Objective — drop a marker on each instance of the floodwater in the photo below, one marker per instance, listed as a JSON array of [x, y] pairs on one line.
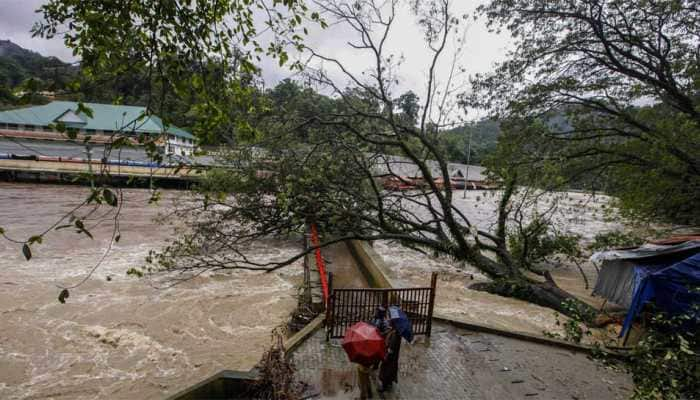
[[117, 336], [578, 213]]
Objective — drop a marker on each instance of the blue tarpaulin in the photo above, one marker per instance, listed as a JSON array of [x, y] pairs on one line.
[[673, 289]]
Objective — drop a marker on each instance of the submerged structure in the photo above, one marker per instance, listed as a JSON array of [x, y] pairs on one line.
[[105, 121]]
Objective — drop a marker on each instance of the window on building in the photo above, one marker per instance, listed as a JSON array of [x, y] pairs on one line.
[[12, 126], [29, 127]]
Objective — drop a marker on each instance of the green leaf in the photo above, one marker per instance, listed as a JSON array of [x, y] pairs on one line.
[[82, 108], [63, 296], [120, 142], [34, 239], [110, 197], [93, 196], [81, 228], [283, 58], [27, 252], [135, 272]]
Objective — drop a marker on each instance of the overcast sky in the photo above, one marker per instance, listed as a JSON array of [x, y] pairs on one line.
[[481, 48]]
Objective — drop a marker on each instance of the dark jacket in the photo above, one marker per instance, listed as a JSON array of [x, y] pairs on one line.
[[389, 369]]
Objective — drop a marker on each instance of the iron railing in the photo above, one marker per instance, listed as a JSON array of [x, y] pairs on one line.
[[349, 306]]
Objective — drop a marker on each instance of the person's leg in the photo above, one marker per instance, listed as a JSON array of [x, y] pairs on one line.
[[364, 383], [381, 381]]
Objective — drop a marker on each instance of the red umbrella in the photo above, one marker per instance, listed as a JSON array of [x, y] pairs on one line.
[[364, 344]]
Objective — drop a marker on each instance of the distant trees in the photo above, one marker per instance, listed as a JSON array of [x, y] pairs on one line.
[[18, 64], [24, 74], [626, 76], [484, 135]]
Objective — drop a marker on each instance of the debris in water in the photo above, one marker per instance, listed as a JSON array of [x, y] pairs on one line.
[[63, 296]]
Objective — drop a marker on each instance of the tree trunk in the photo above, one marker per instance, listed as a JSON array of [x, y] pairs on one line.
[[508, 279], [546, 294]]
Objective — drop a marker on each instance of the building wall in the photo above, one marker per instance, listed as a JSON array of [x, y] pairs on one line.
[[179, 146], [172, 145]]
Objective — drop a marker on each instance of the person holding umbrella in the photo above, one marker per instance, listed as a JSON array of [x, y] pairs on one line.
[[364, 346], [380, 321], [400, 326]]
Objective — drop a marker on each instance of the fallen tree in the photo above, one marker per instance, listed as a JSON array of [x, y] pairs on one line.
[[322, 159], [293, 155]]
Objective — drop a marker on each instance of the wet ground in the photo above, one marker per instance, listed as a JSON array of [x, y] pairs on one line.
[[118, 337], [458, 364]]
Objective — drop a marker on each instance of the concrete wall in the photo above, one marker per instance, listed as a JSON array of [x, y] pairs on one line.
[[371, 264]]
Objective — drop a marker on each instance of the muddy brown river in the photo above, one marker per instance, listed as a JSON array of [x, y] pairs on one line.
[[117, 336]]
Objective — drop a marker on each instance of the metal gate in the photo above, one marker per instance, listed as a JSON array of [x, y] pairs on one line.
[[348, 306]]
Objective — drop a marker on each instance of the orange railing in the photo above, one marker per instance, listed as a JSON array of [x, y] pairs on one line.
[[320, 263]]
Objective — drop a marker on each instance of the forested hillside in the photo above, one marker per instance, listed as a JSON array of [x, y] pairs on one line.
[[27, 77], [484, 135], [25, 73]]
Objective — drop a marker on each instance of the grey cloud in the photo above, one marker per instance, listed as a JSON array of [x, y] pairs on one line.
[[16, 20]]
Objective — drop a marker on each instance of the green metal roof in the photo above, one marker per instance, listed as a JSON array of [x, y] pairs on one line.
[[106, 117]]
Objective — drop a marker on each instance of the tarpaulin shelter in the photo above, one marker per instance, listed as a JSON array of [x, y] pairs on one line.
[[621, 269], [673, 289]]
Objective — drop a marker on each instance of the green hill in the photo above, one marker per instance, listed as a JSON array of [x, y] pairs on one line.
[[484, 135], [17, 65]]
